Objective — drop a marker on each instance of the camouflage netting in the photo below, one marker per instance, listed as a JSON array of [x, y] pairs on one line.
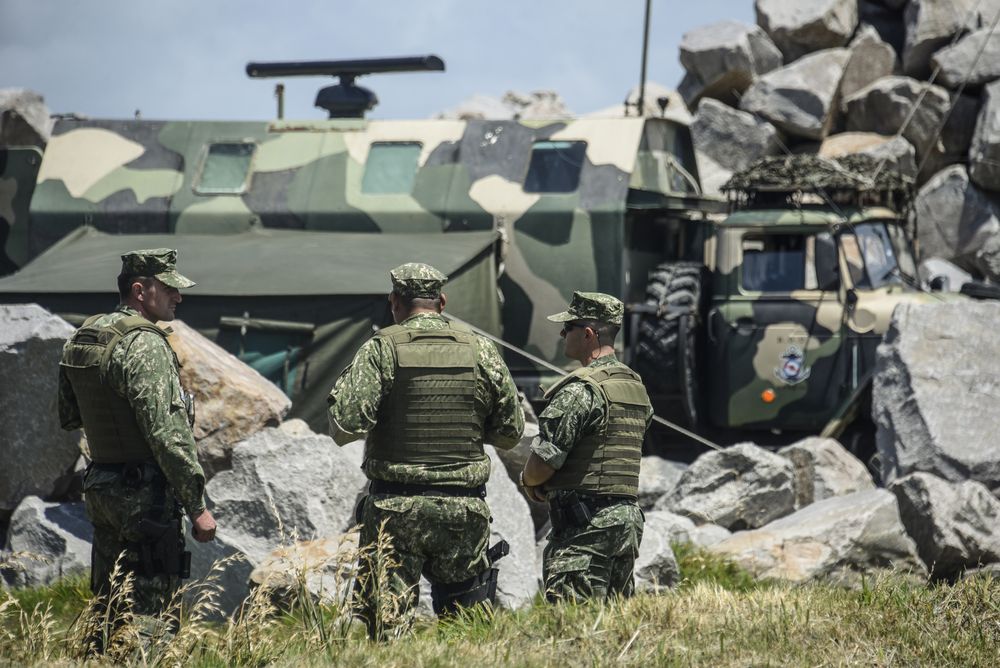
[[812, 173]]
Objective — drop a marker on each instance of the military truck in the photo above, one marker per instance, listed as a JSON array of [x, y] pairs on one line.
[[766, 321]]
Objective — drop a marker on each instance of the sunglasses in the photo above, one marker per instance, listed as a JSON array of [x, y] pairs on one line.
[[570, 326]]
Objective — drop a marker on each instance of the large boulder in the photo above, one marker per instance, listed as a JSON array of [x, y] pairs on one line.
[[37, 454], [723, 59], [835, 539], [730, 138], [283, 488], [952, 145], [936, 392], [897, 153], [871, 59], [949, 276], [885, 105], [740, 487], [518, 580], [800, 98], [956, 220], [224, 568], [324, 568], [930, 25], [54, 539], [961, 63], [984, 154], [953, 524], [513, 463], [24, 118], [656, 566], [512, 105], [804, 26], [657, 477], [232, 401], [677, 529], [824, 469]]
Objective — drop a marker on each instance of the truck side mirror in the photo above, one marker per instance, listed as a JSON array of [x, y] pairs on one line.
[[827, 266]]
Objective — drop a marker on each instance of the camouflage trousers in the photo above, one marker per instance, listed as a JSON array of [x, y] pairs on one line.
[[115, 509], [594, 561], [444, 538]]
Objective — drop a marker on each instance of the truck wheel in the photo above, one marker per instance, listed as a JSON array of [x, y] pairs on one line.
[[667, 350]]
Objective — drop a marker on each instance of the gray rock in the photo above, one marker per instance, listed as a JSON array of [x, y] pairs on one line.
[[984, 154], [955, 219], [833, 540], [325, 567], [953, 524], [897, 153], [679, 529], [55, 539], [657, 476], [800, 98], [989, 572], [740, 487], [513, 105], [936, 389], [712, 175], [871, 59], [36, 452], [733, 139], [886, 19], [310, 483], [804, 26], [518, 579], [724, 58], [987, 258], [222, 567], [952, 145], [24, 118], [513, 463], [930, 25], [824, 469], [885, 105], [934, 268], [656, 566], [961, 63]]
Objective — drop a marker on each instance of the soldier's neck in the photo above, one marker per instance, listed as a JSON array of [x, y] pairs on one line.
[[417, 311], [596, 354], [137, 306]]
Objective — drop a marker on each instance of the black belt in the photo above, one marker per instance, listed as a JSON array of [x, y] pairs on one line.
[[596, 502], [132, 473], [412, 489]]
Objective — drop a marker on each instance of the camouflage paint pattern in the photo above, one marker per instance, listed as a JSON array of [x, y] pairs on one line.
[[595, 561], [147, 177], [358, 393], [443, 538], [18, 171]]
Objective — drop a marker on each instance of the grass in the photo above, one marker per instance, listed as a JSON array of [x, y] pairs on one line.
[[718, 616]]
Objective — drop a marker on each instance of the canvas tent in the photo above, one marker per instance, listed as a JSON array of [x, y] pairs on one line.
[[295, 305]]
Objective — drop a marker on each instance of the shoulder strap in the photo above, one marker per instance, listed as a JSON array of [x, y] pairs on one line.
[[584, 374], [122, 328]]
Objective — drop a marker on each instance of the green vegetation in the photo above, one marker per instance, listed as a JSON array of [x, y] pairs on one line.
[[718, 616]]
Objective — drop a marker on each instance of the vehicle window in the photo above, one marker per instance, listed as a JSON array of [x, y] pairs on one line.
[[904, 253], [226, 168], [273, 348], [555, 166], [391, 168], [779, 263], [871, 255]]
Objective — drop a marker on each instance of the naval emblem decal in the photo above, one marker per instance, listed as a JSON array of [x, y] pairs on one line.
[[792, 369]]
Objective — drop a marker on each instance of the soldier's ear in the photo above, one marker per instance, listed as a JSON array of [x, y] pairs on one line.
[[442, 300]]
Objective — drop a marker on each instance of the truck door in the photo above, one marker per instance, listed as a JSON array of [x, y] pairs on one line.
[[775, 327]]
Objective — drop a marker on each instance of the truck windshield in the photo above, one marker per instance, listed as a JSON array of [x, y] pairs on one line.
[[877, 254]]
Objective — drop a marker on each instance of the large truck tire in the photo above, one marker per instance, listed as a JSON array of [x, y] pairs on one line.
[[667, 351]]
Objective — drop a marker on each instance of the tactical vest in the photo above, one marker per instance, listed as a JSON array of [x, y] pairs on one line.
[[429, 415], [108, 420], [606, 462]]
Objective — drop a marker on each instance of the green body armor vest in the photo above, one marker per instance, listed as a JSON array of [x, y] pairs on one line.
[[606, 462], [429, 415], [108, 420]]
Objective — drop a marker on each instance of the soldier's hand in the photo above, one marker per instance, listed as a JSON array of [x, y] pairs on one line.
[[203, 527]]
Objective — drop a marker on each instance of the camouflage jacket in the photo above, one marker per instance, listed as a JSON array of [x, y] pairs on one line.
[[574, 412], [142, 371], [355, 398]]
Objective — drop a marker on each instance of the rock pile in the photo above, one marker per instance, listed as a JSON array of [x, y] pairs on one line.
[[915, 83]]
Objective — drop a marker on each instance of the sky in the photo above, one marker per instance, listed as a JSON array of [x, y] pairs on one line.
[[186, 59]]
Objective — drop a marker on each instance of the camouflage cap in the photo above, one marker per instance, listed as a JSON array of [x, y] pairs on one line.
[[592, 306], [415, 279], [160, 263]]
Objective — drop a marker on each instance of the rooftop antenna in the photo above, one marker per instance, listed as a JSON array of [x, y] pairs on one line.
[[346, 99], [641, 103]]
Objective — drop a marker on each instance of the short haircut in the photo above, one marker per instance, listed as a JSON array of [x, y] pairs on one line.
[[605, 330], [125, 284], [410, 303]]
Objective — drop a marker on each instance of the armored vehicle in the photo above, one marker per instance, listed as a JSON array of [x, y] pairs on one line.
[[765, 321]]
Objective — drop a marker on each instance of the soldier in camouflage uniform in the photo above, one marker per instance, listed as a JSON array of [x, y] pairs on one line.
[[118, 379], [585, 460], [426, 394]]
